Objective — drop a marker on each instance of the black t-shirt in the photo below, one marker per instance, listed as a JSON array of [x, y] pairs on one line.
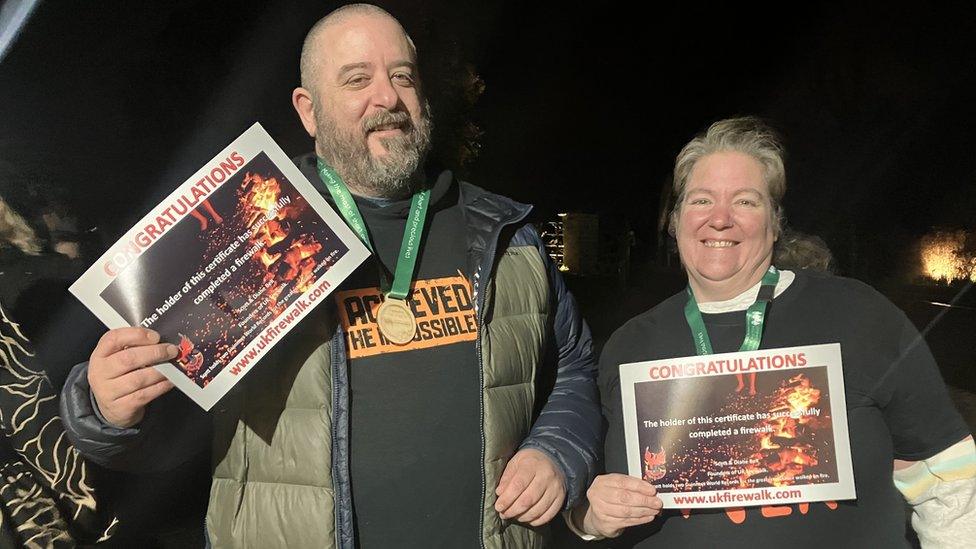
[[415, 428], [897, 408]]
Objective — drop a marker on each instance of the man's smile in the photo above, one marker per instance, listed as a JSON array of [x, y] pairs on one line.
[[386, 130]]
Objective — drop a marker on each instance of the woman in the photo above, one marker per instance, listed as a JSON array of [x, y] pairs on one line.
[[729, 183]]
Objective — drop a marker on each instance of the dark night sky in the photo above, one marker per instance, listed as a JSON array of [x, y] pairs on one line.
[[584, 109]]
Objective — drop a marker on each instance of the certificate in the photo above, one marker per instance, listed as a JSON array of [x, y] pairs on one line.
[[225, 266], [738, 429]]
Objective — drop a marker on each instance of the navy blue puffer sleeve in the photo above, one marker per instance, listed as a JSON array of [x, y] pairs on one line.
[[569, 428], [171, 433]]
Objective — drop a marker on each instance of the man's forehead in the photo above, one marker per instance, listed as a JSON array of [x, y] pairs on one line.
[[361, 37]]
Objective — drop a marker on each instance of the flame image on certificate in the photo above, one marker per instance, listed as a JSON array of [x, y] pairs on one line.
[[219, 276]]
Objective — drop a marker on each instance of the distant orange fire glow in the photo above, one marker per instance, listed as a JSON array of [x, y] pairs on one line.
[[945, 256]]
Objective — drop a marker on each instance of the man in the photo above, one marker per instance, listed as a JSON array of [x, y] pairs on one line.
[[472, 430]]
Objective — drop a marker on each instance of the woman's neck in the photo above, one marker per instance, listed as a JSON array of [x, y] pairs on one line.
[[710, 290]]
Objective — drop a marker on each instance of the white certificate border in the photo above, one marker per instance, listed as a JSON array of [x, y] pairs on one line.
[[828, 355]]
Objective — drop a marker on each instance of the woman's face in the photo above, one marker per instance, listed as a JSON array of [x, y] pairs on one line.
[[725, 228]]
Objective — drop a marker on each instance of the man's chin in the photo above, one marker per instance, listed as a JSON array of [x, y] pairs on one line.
[[379, 146], [379, 154]]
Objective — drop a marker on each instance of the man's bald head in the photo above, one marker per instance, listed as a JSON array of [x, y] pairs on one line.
[[361, 100], [311, 60]]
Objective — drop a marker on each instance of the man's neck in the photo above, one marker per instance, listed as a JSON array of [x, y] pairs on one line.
[[377, 195], [362, 192], [378, 202]]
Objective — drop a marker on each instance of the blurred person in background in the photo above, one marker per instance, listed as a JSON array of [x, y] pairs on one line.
[[796, 250], [45, 495]]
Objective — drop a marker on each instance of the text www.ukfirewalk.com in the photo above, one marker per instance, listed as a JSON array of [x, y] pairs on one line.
[[272, 332], [739, 497]]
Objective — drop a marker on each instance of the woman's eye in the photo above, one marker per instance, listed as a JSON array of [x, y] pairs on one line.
[[752, 201]]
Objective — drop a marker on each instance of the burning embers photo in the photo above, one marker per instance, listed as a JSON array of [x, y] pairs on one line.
[[710, 438], [263, 246], [286, 256], [788, 445]]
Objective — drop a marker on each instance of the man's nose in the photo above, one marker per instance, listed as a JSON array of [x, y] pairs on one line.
[[385, 94]]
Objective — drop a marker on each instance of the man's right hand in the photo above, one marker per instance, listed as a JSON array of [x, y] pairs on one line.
[[121, 375]]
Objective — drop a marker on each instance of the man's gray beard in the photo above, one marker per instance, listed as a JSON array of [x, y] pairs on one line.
[[393, 175]]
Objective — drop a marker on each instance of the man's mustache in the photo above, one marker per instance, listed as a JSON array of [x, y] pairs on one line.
[[399, 119]]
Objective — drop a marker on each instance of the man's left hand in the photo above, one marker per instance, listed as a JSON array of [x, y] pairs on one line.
[[531, 489]]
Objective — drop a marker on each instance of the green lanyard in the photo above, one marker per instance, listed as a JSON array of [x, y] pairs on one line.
[[407, 261], [755, 316]]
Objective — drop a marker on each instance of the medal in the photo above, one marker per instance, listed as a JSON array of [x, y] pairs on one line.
[[395, 321], [394, 318]]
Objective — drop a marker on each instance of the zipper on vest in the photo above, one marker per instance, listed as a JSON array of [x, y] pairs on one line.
[[481, 410], [488, 260], [335, 393]]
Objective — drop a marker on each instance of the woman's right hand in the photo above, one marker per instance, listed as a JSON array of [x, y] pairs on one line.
[[618, 501]]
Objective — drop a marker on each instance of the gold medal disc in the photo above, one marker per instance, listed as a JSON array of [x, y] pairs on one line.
[[395, 321]]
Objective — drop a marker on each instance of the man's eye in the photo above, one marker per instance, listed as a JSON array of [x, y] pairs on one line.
[[403, 78], [358, 81], [698, 201]]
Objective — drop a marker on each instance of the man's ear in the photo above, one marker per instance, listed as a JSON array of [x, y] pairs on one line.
[[301, 99]]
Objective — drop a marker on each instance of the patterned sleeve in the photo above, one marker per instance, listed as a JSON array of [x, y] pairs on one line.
[[46, 495]]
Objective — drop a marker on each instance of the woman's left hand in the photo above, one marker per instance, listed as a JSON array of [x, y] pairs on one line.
[[618, 501]]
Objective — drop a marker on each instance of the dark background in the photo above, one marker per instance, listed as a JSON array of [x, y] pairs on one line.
[[108, 105], [584, 108]]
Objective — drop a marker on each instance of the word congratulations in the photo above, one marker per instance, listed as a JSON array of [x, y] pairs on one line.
[[167, 217], [723, 366]]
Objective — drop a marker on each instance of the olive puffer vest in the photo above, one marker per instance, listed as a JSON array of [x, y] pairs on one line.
[[276, 438]]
